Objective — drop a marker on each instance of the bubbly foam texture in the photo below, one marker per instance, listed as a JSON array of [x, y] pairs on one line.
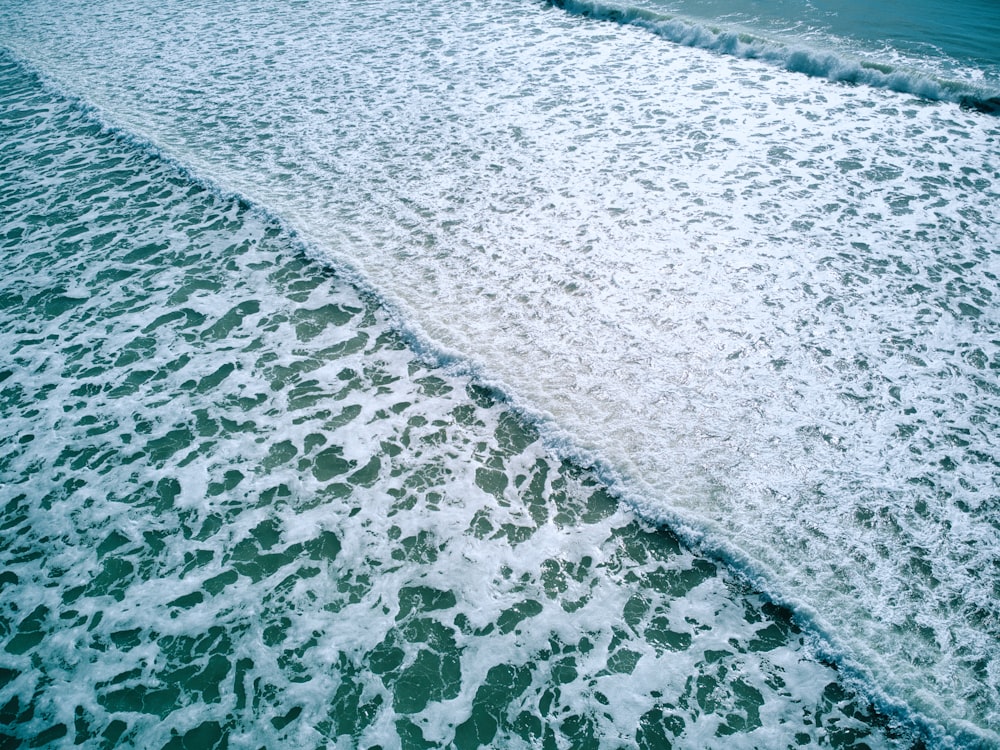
[[765, 304], [239, 512], [810, 51]]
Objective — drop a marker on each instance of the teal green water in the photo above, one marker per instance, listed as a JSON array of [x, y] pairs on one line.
[[238, 512], [759, 305], [964, 32], [934, 49]]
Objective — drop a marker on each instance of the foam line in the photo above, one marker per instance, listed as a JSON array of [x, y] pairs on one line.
[[689, 528], [797, 59]]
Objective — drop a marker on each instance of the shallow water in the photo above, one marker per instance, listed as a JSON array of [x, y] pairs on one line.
[[761, 304], [937, 50], [957, 36], [238, 511]]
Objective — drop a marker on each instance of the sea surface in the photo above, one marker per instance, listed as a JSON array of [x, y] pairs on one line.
[[510, 374]]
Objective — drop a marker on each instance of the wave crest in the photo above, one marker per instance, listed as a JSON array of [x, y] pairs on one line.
[[816, 63]]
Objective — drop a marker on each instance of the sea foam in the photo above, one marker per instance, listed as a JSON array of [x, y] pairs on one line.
[[747, 295]]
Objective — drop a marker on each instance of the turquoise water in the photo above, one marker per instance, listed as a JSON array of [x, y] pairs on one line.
[[966, 33], [477, 375], [239, 512], [935, 49]]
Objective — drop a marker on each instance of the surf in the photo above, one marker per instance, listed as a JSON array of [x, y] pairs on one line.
[[633, 245], [238, 510], [792, 57]]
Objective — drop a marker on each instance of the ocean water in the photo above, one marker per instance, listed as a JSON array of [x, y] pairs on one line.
[[519, 375], [933, 48], [240, 512], [960, 37]]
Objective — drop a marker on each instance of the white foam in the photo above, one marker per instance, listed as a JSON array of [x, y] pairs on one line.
[[742, 291], [814, 53]]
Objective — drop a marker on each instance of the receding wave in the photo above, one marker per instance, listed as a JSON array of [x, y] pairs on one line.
[[661, 298], [198, 207], [817, 63], [822, 644]]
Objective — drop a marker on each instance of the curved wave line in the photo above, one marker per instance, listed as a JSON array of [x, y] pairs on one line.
[[823, 645], [797, 59]]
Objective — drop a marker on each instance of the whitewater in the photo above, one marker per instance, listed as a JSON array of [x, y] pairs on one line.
[[526, 352]]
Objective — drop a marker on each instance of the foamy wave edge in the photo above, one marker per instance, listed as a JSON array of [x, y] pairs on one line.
[[815, 63], [696, 533]]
